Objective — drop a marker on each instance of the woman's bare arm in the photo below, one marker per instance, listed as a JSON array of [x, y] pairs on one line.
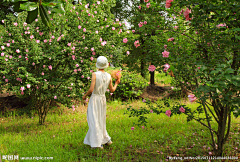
[[112, 89]]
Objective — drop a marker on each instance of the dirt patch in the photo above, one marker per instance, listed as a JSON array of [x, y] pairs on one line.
[[11, 102], [157, 91]]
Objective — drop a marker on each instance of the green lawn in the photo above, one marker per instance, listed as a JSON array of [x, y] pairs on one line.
[[63, 134]]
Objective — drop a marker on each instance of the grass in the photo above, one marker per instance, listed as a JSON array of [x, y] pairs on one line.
[[64, 131], [63, 134]]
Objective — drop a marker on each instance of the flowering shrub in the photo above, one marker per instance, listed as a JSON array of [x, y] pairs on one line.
[[131, 86], [54, 63], [202, 54]]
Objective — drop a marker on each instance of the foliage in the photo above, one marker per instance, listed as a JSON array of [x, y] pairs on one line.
[[5, 9], [41, 7], [131, 86], [55, 63], [204, 57]]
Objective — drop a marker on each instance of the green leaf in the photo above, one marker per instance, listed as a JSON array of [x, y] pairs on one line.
[[16, 7], [172, 68], [215, 85], [236, 78], [214, 72], [235, 83], [44, 16], [32, 15], [15, 1], [58, 9], [236, 29], [238, 37], [229, 70], [228, 77], [29, 6]]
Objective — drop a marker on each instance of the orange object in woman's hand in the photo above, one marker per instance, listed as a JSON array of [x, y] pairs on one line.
[[116, 74]]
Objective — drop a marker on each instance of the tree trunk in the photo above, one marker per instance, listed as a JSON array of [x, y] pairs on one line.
[[152, 78], [142, 69], [221, 136]]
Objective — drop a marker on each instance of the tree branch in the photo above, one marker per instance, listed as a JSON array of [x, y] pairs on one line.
[[212, 114], [214, 144]]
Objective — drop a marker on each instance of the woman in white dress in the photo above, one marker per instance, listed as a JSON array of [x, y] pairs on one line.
[[97, 134]]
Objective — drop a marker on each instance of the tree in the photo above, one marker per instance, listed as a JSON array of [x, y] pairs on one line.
[[35, 7]]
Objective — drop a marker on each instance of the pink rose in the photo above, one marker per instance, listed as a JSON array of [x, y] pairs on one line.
[[166, 66], [151, 68], [186, 14], [165, 54], [148, 5], [192, 98], [171, 39], [168, 3], [140, 24], [125, 40], [182, 109], [168, 113]]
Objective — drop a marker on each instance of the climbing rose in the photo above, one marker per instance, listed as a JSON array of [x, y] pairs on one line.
[[125, 40], [186, 14], [165, 54], [136, 43], [166, 66], [140, 24], [168, 3], [182, 109], [168, 113], [148, 5], [171, 39], [192, 98], [221, 25], [151, 68]]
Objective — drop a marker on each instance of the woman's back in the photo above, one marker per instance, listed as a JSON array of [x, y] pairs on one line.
[[102, 82]]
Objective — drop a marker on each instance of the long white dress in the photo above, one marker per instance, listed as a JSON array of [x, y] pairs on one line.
[[96, 112]]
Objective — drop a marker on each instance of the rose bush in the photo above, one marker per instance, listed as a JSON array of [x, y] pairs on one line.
[[56, 63], [148, 25], [204, 58]]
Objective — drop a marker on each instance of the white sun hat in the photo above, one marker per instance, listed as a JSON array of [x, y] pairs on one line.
[[102, 62]]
